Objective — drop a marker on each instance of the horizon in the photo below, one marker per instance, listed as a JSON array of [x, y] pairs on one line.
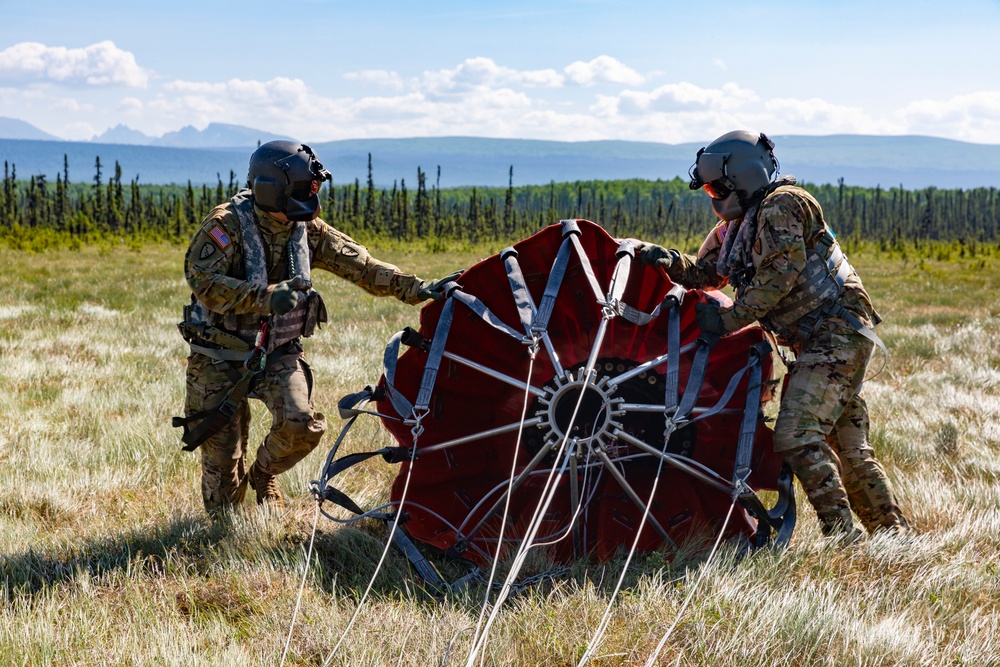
[[633, 70], [96, 140]]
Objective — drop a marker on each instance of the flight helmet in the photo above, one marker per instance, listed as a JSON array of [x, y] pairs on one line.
[[734, 170], [285, 177]]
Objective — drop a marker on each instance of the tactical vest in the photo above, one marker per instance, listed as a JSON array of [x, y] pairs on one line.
[[235, 334], [816, 291], [820, 283]]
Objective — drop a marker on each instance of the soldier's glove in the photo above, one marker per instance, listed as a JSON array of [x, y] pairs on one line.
[[708, 318], [432, 289], [286, 295], [651, 254]]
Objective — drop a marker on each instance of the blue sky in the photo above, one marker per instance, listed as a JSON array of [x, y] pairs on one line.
[[571, 70]]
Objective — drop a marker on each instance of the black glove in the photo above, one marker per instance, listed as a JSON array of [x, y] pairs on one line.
[[287, 294], [651, 254], [708, 318], [431, 289]]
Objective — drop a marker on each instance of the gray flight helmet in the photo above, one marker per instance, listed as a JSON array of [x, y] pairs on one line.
[[734, 170], [285, 177]]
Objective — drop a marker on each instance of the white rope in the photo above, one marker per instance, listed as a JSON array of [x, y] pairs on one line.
[[549, 490], [547, 494], [510, 491], [701, 576], [385, 551], [302, 586], [602, 626]]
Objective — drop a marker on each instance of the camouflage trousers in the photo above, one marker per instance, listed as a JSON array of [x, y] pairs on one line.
[[296, 429], [822, 432]]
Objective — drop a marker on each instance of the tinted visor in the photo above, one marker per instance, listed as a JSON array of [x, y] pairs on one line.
[[303, 190], [717, 189]]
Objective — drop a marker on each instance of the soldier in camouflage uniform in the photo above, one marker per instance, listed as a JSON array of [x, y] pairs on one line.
[[249, 264], [791, 276]]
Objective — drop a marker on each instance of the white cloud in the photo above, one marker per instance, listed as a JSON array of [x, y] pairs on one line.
[[971, 117], [476, 97], [475, 75], [379, 77], [817, 116], [602, 69], [683, 96], [132, 106], [70, 105], [98, 65]]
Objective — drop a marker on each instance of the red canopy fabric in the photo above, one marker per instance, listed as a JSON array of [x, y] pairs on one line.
[[455, 487]]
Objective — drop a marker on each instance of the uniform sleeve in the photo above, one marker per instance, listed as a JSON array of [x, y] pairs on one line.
[[209, 261], [699, 271], [780, 256], [338, 253]]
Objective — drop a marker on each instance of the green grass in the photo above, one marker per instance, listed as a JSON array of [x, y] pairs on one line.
[[106, 557]]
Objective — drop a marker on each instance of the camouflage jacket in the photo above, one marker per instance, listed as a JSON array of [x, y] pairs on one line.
[[789, 222], [215, 270]]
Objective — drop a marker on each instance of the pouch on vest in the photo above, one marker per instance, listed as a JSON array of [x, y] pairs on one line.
[[300, 322], [316, 315]]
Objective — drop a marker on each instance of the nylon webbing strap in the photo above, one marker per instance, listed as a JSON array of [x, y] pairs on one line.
[[727, 395], [625, 254], [839, 311], [588, 270], [417, 559], [748, 427], [696, 376], [334, 468], [485, 314], [673, 373], [221, 355], [436, 353], [399, 402], [219, 337], [673, 298], [213, 419], [347, 406], [545, 307], [522, 299], [390, 454]]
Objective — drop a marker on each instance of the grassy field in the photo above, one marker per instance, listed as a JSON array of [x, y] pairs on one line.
[[106, 557]]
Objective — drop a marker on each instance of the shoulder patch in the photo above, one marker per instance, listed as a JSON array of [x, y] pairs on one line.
[[720, 232], [757, 246], [206, 251], [349, 251], [220, 237]]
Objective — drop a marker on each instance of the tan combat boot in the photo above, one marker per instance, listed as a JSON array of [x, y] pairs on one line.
[[266, 487]]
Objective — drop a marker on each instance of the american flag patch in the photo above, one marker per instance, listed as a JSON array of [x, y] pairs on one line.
[[219, 236], [720, 232]]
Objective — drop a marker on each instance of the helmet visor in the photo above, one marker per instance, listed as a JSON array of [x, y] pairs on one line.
[[717, 189], [303, 190]]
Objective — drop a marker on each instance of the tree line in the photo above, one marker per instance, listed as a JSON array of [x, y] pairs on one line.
[[37, 213]]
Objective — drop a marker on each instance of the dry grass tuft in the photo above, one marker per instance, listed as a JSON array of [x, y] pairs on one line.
[[107, 559]]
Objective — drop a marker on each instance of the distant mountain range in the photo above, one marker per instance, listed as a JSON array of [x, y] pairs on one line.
[[204, 156], [216, 135]]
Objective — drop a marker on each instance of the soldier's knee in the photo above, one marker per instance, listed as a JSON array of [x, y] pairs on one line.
[[301, 425]]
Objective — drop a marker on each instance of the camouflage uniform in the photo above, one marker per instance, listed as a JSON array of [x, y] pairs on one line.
[[822, 422], [215, 270]]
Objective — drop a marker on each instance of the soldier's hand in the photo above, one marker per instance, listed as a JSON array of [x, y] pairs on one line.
[[286, 295], [708, 318], [432, 289], [651, 254]]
